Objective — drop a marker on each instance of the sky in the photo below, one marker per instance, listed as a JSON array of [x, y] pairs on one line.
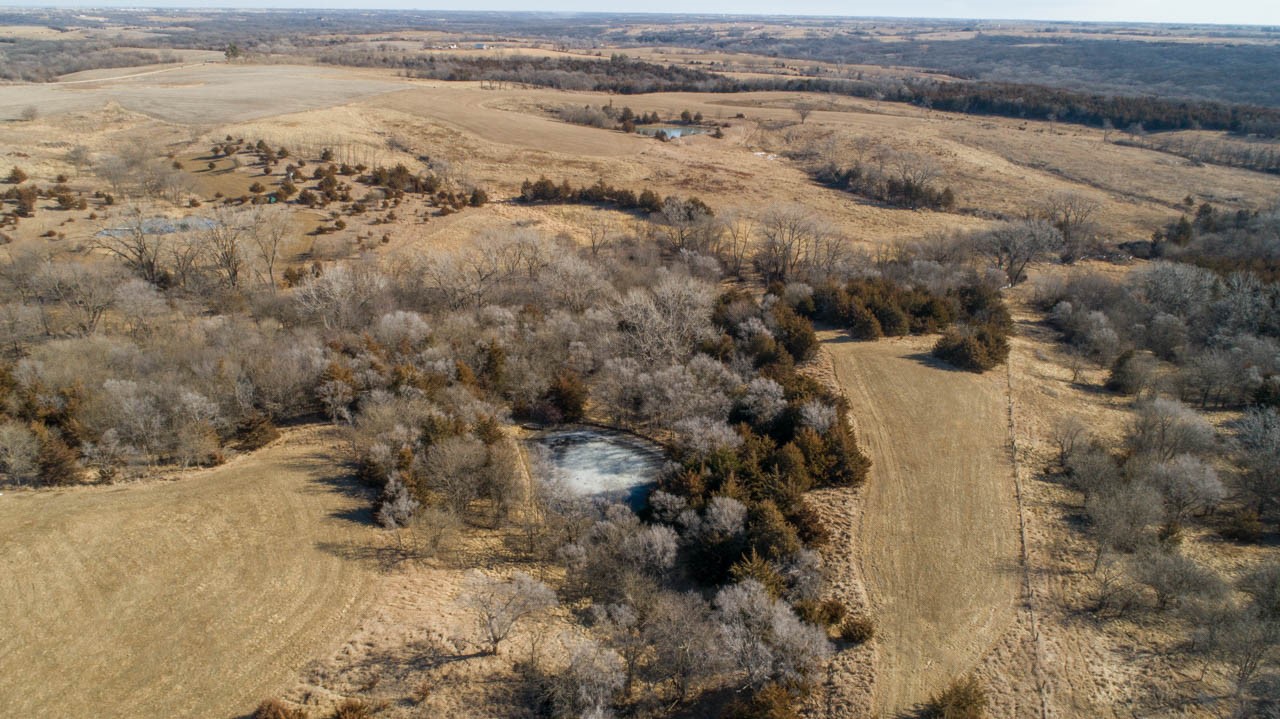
[[1248, 12]]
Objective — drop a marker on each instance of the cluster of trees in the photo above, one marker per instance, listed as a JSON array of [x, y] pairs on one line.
[[782, 242], [516, 324], [144, 170], [399, 180], [25, 198], [1071, 70], [1224, 242], [1175, 328], [32, 60], [1037, 102], [1020, 100], [623, 120], [894, 178], [1251, 155], [1140, 498], [618, 74], [973, 318], [547, 191]]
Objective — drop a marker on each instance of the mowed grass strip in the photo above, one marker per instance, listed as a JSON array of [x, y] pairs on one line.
[[189, 598]]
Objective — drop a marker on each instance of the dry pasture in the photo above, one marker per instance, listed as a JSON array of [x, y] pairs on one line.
[[938, 536], [190, 598]]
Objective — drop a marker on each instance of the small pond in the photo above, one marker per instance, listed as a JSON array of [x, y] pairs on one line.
[[596, 463], [161, 226], [672, 131]]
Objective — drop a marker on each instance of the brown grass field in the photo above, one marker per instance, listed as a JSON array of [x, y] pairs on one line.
[[190, 598], [939, 526]]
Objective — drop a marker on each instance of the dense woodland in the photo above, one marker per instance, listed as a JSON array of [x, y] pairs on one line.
[[45, 60], [1171, 70]]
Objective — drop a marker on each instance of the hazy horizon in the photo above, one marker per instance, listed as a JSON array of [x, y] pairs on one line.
[[1235, 12]]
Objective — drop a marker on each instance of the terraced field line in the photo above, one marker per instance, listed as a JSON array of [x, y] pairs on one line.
[[939, 535], [191, 598]]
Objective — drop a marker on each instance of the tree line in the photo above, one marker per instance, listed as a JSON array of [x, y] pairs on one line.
[[1017, 100]]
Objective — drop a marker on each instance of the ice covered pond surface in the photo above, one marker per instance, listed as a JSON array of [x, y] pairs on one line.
[[672, 131], [596, 463], [160, 226]]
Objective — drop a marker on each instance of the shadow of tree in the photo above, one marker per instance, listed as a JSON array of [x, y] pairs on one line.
[[930, 361]]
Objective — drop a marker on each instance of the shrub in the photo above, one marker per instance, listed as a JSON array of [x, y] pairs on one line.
[[827, 613], [771, 701], [963, 699], [57, 461], [568, 396], [808, 525], [753, 566], [863, 324], [973, 348], [256, 431], [794, 333], [276, 709], [1130, 373], [352, 709], [26, 197], [16, 176], [893, 321], [857, 630], [1243, 526]]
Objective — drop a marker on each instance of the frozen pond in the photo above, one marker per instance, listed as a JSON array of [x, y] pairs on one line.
[[161, 226], [593, 463], [672, 131]]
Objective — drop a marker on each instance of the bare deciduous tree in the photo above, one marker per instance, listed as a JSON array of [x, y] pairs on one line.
[[225, 242], [1258, 451], [601, 232], [684, 640], [764, 639], [19, 453], [501, 604], [1073, 214], [739, 227], [80, 157], [665, 322], [454, 467], [1014, 245], [1246, 642], [1188, 484], [87, 290], [1120, 515], [348, 295], [588, 686], [269, 229], [137, 245], [791, 237], [1163, 429], [1068, 434], [1176, 578]]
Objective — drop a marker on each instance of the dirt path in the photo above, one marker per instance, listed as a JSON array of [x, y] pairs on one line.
[[196, 597], [144, 73], [939, 530]]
